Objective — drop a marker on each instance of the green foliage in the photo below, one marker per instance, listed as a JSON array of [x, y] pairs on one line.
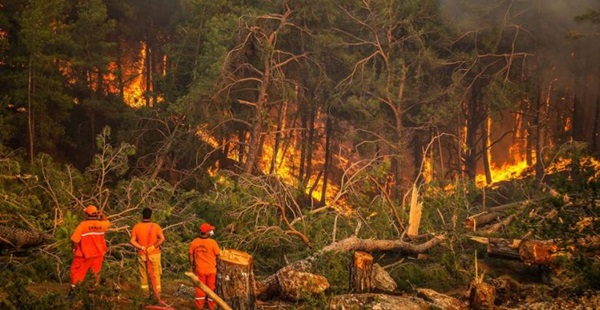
[[20, 297]]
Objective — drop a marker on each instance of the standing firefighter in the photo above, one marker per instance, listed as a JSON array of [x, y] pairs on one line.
[[203, 260], [89, 246], [147, 237]]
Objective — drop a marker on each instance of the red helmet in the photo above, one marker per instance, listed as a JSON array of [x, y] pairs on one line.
[[206, 227]]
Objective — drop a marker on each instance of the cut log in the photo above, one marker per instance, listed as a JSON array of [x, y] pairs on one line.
[[504, 248], [197, 283], [377, 301], [382, 279], [20, 238], [480, 220], [539, 252], [235, 283], [296, 285], [269, 287], [361, 273], [440, 301], [481, 295]]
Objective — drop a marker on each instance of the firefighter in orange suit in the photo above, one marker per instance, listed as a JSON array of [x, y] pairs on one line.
[[203, 260], [89, 246], [147, 237]]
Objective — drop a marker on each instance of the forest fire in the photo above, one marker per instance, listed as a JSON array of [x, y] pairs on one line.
[[505, 172], [134, 88]]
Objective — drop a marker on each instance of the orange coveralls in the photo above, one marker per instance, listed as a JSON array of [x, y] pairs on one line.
[[205, 252], [90, 249], [142, 234]]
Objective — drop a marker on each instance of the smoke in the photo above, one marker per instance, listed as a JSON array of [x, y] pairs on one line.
[[564, 62]]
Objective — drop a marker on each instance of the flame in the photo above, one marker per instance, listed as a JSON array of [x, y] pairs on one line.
[[134, 88], [427, 169], [505, 172]]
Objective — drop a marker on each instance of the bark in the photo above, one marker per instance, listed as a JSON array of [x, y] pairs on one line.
[[540, 252], [539, 168], [481, 295], [481, 219], [377, 301], [382, 279], [291, 284], [268, 287], [235, 283], [486, 150], [504, 248], [328, 134], [361, 273], [20, 238], [440, 301], [595, 133]]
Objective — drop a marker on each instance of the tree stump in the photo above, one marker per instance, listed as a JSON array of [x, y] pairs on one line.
[[235, 281], [361, 273], [481, 295]]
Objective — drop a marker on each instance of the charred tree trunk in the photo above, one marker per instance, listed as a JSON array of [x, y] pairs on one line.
[[539, 167], [486, 149], [471, 134], [328, 133], [309, 146], [235, 284], [361, 273], [595, 133], [278, 134]]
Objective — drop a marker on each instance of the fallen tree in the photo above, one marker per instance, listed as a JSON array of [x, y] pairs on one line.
[[20, 238], [271, 286]]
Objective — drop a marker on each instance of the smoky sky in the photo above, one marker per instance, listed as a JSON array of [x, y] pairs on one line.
[[565, 53]]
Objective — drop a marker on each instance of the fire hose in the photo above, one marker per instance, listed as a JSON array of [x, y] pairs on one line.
[[156, 292], [152, 281]]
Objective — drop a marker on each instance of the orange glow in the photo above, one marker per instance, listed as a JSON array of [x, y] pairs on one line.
[[427, 169], [133, 92], [567, 127], [505, 172]]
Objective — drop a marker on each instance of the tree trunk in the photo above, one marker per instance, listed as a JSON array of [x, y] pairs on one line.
[[361, 273], [504, 248], [539, 167], [328, 133], [471, 134], [30, 123], [481, 295], [415, 213], [197, 283], [478, 221], [595, 133], [19, 238], [278, 134], [235, 283], [486, 149]]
